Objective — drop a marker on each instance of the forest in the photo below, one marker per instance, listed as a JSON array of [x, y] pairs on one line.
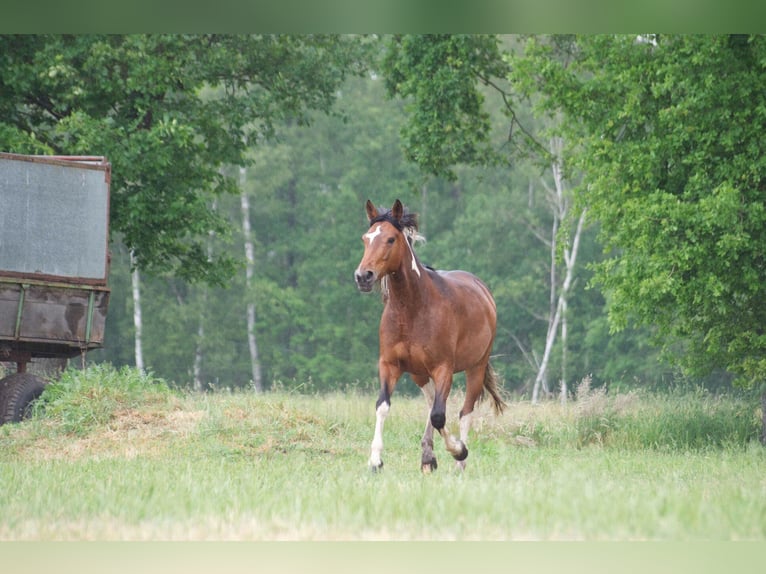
[[608, 189]]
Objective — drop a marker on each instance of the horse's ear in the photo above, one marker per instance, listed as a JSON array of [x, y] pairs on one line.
[[372, 211], [397, 211]]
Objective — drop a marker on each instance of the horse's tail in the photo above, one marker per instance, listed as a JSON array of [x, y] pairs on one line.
[[492, 386]]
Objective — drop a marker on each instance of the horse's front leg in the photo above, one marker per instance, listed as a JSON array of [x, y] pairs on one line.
[[388, 378], [428, 459], [381, 412]]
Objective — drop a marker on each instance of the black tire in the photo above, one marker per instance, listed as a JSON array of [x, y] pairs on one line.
[[17, 393]]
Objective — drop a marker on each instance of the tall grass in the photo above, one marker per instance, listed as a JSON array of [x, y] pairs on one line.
[[82, 399], [118, 455], [678, 420]]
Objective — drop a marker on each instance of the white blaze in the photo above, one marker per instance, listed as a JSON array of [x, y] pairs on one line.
[[372, 234]]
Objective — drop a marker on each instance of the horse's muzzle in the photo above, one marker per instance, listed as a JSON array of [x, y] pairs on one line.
[[364, 280]]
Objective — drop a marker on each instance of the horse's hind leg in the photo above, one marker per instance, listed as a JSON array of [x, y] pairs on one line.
[[442, 384], [428, 459], [474, 386], [465, 426]]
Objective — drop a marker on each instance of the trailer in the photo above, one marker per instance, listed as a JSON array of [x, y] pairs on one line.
[[54, 263]]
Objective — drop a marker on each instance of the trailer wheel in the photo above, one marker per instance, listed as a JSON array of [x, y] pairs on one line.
[[17, 393]]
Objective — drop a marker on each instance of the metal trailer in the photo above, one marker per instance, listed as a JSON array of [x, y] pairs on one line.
[[54, 262]]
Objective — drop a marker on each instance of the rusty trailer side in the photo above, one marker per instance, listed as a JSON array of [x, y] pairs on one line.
[[45, 319]]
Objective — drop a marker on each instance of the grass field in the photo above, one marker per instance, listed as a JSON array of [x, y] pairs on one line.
[[113, 456]]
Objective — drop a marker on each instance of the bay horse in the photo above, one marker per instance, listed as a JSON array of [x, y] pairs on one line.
[[434, 324]]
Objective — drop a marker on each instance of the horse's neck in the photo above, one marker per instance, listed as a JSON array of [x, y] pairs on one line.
[[408, 285]]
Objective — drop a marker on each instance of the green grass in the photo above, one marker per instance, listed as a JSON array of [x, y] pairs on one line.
[[118, 456]]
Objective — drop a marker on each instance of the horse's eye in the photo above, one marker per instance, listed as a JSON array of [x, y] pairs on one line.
[[391, 240]]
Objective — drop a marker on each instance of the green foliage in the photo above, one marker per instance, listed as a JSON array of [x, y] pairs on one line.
[[668, 145], [307, 193], [81, 400], [168, 111], [499, 220], [668, 139], [438, 75], [307, 189]]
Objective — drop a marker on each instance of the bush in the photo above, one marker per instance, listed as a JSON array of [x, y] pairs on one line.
[[81, 399]]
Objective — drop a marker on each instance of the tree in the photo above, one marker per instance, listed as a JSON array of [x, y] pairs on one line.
[[438, 76], [306, 191], [673, 156], [449, 125], [168, 111], [675, 174], [252, 342], [559, 200], [310, 189], [138, 323], [315, 331]]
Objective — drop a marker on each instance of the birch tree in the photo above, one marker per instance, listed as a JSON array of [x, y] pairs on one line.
[[252, 342], [670, 135], [559, 200], [449, 125], [138, 325]]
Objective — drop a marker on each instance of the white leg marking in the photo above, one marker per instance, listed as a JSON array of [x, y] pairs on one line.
[[370, 236], [377, 440], [465, 426], [453, 446]]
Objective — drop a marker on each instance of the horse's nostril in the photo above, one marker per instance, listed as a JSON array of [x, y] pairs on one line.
[[363, 276], [364, 280]]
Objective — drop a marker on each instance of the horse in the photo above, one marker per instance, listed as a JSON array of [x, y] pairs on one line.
[[434, 324]]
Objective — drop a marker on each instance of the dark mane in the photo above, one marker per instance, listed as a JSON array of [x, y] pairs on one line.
[[408, 220]]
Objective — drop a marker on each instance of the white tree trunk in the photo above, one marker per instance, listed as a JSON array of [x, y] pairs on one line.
[[563, 386], [541, 380], [137, 321], [570, 256], [249, 272], [559, 202]]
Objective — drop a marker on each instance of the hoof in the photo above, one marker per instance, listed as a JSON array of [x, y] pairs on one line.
[[376, 468], [428, 467], [462, 455]]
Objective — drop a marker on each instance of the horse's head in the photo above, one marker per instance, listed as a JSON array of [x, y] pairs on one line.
[[386, 243]]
